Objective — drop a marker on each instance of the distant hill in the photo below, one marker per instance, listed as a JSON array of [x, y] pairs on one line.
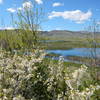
[[67, 35]]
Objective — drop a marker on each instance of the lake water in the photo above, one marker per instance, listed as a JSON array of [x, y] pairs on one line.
[[82, 52]]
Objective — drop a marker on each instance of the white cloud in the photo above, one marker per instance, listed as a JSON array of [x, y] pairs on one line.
[[27, 4], [98, 23], [10, 28], [77, 15], [12, 10], [1, 1], [39, 1], [20, 8], [58, 28], [7, 28], [56, 4]]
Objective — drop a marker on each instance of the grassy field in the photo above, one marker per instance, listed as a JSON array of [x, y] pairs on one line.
[[67, 64], [65, 45], [69, 39], [87, 60], [58, 39]]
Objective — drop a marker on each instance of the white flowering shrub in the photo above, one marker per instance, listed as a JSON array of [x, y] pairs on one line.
[[32, 77]]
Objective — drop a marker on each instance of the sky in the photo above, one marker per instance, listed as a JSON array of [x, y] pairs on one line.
[[74, 15]]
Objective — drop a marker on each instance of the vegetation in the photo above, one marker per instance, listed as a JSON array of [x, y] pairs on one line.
[[30, 77], [26, 73], [93, 42], [63, 45], [85, 60]]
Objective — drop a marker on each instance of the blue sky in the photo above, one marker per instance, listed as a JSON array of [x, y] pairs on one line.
[[59, 14]]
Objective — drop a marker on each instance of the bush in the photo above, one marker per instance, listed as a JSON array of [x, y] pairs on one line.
[[32, 77]]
